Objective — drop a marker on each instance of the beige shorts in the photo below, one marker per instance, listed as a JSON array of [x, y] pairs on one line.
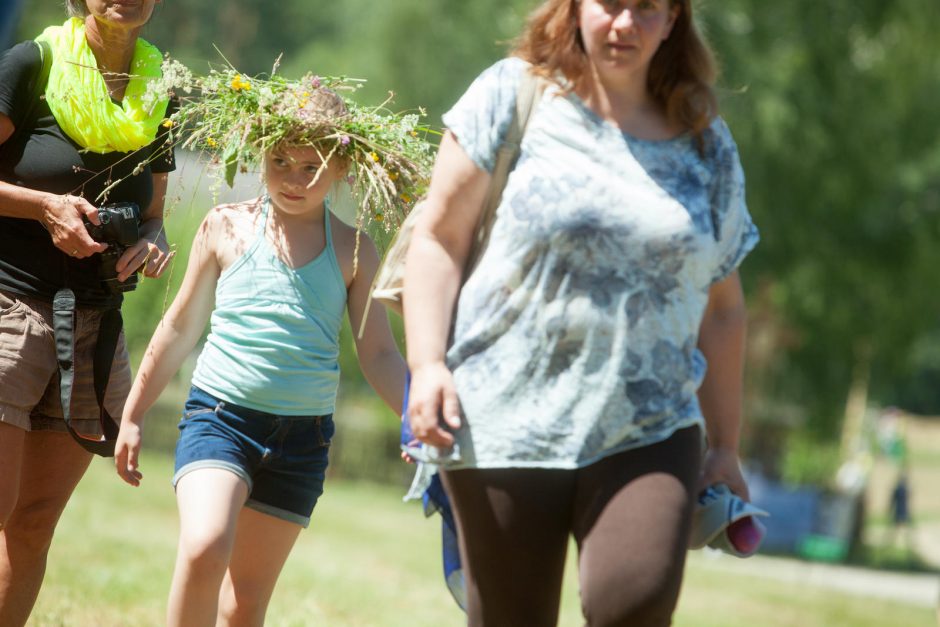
[[29, 372]]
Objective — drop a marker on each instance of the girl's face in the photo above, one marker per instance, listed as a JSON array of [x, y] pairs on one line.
[[121, 13], [288, 174], [623, 35]]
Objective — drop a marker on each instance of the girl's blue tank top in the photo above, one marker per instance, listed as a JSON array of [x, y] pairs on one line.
[[274, 333]]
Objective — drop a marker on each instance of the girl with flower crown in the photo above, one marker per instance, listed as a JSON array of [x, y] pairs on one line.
[[573, 399], [274, 276], [74, 134]]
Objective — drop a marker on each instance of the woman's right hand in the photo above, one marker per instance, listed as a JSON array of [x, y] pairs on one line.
[[431, 397], [127, 452], [62, 217]]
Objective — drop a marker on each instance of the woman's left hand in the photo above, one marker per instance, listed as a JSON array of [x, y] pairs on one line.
[[723, 466], [150, 254]]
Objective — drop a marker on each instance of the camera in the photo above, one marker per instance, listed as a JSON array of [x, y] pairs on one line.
[[119, 229]]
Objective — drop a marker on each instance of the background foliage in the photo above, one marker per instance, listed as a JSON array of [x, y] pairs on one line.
[[834, 107]]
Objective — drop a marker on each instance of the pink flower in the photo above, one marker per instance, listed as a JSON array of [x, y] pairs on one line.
[[344, 140]]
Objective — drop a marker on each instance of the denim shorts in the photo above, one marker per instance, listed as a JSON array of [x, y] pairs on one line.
[[283, 459]]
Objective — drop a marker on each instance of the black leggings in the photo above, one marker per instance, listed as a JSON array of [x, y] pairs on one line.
[[629, 514]]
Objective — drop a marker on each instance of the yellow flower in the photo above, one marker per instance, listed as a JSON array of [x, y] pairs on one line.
[[406, 197], [379, 217], [393, 176], [211, 143], [167, 123], [374, 156], [239, 83], [414, 133]]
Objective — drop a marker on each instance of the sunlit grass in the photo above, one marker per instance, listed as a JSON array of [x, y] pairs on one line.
[[367, 559]]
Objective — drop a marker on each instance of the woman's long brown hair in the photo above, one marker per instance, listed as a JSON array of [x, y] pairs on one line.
[[681, 74]]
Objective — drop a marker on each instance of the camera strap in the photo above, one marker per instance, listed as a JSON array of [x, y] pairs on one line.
[[63, 326]]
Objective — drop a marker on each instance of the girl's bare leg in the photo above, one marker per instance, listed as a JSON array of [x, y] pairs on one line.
[[209, 501], [262, 544]]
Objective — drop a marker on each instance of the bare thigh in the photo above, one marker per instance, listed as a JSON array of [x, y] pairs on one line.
[[262, 545], [11, 458], [209, 501], [52, 465]]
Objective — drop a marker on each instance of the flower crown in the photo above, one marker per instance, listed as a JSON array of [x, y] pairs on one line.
[[236, 119]]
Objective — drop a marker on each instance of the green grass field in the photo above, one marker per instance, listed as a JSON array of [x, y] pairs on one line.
[[367, 559]]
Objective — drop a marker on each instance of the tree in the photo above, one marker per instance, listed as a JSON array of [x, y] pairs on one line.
[[834, 108]]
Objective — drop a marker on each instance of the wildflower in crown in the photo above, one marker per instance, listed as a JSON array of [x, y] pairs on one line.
[[237, 119]]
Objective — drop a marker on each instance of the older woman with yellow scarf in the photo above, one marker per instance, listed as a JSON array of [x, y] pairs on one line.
[[76, 134]]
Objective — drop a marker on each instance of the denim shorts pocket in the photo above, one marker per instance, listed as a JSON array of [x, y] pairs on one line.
[[324, 428], [197, 411]]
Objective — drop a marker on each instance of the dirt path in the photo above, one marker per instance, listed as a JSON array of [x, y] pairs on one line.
[[922, 590]]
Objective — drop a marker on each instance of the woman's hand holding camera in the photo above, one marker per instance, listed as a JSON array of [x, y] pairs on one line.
[[63, 218], [150, 254]]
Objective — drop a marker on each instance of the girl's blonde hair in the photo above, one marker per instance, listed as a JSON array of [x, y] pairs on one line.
[[682, 73], [321, 111]]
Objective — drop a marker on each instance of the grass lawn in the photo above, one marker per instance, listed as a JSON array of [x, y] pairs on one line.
[[366, 560]]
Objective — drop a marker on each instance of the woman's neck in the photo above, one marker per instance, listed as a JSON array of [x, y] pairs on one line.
[[113, 49], [627, 102]]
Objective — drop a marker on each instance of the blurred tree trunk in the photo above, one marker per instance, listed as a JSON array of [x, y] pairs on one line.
[[856, 403]]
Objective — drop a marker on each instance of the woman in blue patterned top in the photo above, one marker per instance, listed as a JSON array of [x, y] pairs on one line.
[[574, 397]]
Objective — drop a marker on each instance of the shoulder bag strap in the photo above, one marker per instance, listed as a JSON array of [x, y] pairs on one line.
[[527, 98]]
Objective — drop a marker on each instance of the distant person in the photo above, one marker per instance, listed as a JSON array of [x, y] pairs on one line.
[[573, 399], [899, 511], [62, 145], [900, 504], [275, 275]]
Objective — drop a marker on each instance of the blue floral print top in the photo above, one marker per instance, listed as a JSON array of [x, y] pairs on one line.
[[575, 337]]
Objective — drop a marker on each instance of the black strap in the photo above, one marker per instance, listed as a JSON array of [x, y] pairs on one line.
[[63, 326]]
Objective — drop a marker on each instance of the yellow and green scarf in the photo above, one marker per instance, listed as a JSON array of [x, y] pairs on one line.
[[79, 99]]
